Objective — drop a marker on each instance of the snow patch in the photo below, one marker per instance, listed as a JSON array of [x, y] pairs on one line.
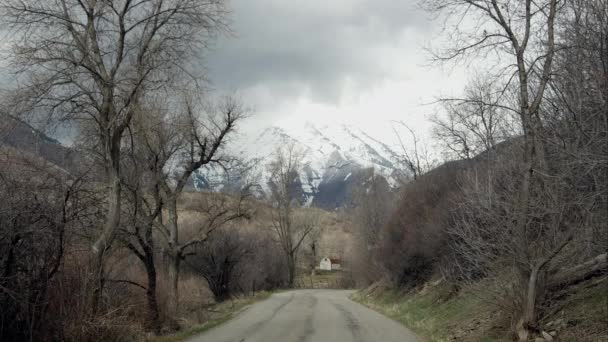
[[330, 152]]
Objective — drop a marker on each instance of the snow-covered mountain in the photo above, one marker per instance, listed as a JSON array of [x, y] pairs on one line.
[[337, 158]]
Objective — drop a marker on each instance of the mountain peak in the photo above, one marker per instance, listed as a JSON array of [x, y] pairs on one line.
[[334, 155]]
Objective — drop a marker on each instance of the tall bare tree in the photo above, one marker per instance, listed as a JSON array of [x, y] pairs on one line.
[[525, 33], [150, 147], [200, 134], [374, 202], [475, 123], [94, 60], [415, 157], [373, 206], [289, 228], [313, 239]]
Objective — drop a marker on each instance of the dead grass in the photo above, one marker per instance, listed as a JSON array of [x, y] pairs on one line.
[[194, 300], [584, 317], [124, 305], [322, 280], [336, 238], [215, 315], [121, 309]]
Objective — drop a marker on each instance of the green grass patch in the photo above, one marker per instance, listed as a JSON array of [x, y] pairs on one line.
[[437, 316], [222, 313], [432, 313]]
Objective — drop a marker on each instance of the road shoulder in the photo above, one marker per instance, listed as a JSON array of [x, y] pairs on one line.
[[219, 314]]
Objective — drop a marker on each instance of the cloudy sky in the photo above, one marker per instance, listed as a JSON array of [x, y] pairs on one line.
[[357, 61]]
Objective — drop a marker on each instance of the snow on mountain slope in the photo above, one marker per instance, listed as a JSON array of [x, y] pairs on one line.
[[334, 156]]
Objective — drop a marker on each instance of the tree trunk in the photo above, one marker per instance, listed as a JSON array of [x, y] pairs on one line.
[[153, 310], [291, 269], [533, 155], [313, 264], [174, 264], [174, 254], [147, 259], [567, 276], [103, 243], [528, 316], [95, 282]]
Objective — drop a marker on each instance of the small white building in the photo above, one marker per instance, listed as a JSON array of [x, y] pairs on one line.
[[330, 264], [325, 264]]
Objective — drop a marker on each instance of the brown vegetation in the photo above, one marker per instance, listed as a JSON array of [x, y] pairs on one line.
[[525, 210]]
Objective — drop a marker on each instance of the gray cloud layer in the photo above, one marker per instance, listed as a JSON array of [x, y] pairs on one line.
[[311, 48]]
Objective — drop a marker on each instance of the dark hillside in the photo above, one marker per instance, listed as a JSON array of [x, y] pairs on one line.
[[21, 136]]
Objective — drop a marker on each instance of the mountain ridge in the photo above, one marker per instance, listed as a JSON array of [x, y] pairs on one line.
[[337, 158]]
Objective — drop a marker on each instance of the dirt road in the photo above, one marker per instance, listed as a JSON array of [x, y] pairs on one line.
[[308, 316]]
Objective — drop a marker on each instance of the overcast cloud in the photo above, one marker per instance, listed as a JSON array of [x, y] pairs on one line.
[[356, 61], [314, 46], [359, 61]]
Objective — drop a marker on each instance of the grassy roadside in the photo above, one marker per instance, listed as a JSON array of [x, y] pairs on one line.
[[435, 315], [583, 316], [220, 314], [438, 317]]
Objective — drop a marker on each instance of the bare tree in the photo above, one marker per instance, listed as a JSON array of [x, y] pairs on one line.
[[217, 260], [42, 207], [202, 133], [416, 157], [311, 244], [476, 123], [374, 203], [524, 32], [290, 230], [265, 267], [577, 113], [148, 151], [94, 61], [373, 206], [483, 242]]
